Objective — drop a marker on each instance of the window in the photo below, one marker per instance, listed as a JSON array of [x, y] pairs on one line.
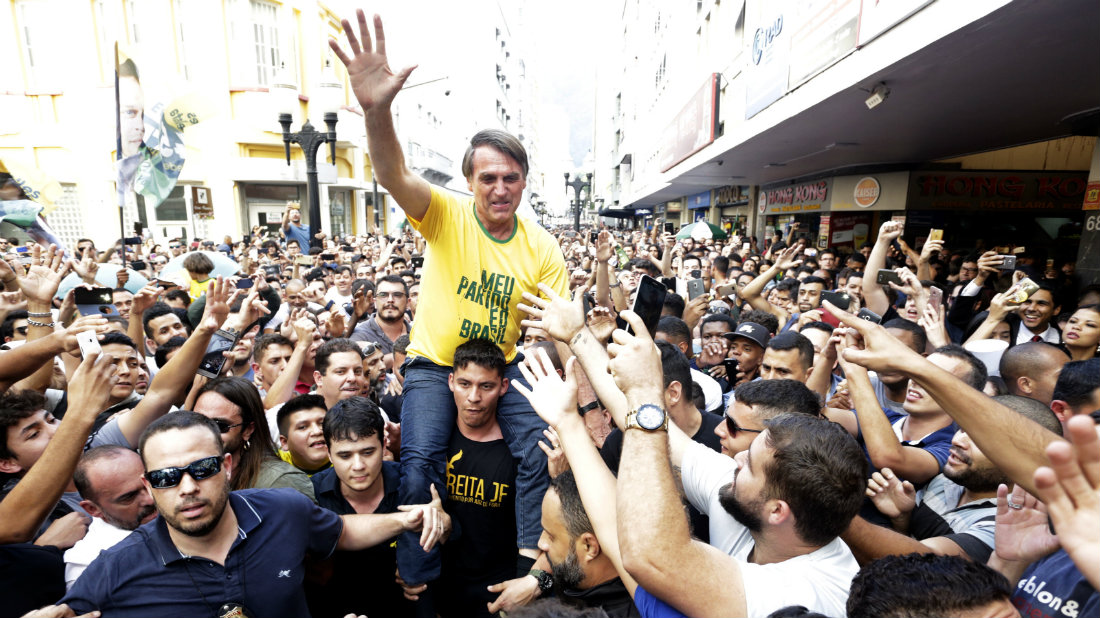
[[174, 207], [265, 41], [67, 220], [108, 28], [41, 63]]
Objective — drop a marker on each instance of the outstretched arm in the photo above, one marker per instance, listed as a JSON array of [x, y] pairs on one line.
[[375, 85], [751, 292], [874, 297]]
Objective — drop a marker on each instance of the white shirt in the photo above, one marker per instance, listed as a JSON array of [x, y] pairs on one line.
[[1050, 335], [101, 536], [818, 580]]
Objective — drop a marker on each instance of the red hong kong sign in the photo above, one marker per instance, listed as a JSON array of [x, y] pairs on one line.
[[997, 190]]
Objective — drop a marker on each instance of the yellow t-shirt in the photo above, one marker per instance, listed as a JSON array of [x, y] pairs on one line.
[[198, 288], [472, 282]]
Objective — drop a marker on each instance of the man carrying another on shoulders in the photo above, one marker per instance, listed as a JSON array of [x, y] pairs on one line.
[[482, 258]]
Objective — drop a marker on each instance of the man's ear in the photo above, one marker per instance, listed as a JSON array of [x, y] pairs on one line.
[[504, 385], [674, 393], [317, 378], [150, 345], [1061, 410], [92, 509], [283, 443], [1023, 384], [588, 547], [10, 466]]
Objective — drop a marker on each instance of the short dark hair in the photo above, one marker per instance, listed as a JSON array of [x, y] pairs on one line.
[[182, 419], [334, 346], [821, 326], [572, 509], [920, 337], [91, 456], [675, 329], [353, 418], [649, 267], [674, 305], [173, 344], [481, 352], [730, 323], [900, 586], [497, 139], [1032, 410], [791, 340], [16, 405], [263, 342], [114, 337], [721, 264], [158, 310], [815, 279], [675, 367], [977, 373], [178, 294], [819, 470], [771, 398], [297, 404], [401, 344], [7, 329], [198, 262], [788, 285], [393, 279], [762, 318], [1078, 381]]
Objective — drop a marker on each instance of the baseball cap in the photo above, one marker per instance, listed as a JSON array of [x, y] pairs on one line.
[[751, 331]]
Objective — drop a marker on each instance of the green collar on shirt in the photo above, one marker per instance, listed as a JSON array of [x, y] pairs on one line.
[[515, 227]]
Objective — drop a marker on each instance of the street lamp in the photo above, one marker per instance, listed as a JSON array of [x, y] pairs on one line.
[[309, 140], [577, 184]]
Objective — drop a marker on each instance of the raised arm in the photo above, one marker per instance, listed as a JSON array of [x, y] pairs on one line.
[[874, 297], [751, 292], [282, 388], [375, 85]]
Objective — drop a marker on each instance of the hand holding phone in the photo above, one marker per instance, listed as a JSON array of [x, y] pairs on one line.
[[88, 342]]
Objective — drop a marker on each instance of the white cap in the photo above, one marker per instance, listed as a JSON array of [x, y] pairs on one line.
[[989, 351]]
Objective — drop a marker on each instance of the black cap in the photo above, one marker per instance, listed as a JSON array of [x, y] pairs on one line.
[[751, 331]]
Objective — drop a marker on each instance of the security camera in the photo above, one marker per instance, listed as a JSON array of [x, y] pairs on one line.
[[878, 95]]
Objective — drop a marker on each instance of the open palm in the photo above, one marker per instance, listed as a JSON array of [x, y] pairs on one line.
[[372, 80]]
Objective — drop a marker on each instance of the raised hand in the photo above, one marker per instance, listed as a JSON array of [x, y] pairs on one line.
[[560, 317], [556, 462], [881, 351], [601, 323], [892, 496], [889, 232], [87, 267], [930, 247], [1021, 529], [430, 519], [374, 83], [96, 323], [220, 296], [786, 258], [635, 361], [552, 398], [44, 275]]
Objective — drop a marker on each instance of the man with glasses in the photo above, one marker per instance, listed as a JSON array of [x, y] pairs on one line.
[[754, 403], [391, 298], [214, 552]]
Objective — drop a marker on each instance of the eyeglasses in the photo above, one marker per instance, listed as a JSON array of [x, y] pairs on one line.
[[394, 295], [370, 348], [199, 470], [732, 427], [173, 246], [223, 426]]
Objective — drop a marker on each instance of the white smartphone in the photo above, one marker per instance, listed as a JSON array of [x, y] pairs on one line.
[[88, 342]]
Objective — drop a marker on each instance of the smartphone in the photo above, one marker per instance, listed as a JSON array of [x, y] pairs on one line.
[[669, 283], [245, 283], [23, 249], [732, 366], [212, 360], [870, 316], [261, 250], [138, 265], [935, 234], [587, 301], [271, 271], [670, 228], [328, 257], [935, 298], [329, 305], [1008, 262], [745, 247], [648, 302], [346, 248], [885, 276], [132, 240], [725, 291], [417, 261], [1024, 289], [94, 301], [138, 226], [88, 342], [594, 237], [621, 254], [695, 288], [303, 260], [840, 299]]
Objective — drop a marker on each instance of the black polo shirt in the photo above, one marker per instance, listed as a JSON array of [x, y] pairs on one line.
[[146, 575]]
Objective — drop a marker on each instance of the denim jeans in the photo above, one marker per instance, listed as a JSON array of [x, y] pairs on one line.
[[427, 419]]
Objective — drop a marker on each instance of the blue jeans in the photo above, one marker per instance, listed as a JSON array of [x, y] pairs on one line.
[[427, 419]]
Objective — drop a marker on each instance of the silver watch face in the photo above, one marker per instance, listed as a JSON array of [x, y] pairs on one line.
[[650, 416]]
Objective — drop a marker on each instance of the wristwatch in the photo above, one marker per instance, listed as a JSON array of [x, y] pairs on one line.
[[648, 416], [546, 580]]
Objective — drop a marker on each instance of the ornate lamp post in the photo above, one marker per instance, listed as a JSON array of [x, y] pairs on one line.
[[577, 184], [309, 139]]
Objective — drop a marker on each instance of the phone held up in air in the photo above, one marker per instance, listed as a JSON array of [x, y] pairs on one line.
[[648, 303], [213, 359], [88, 342]]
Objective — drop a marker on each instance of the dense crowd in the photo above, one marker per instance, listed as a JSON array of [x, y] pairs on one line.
[[600, 422]]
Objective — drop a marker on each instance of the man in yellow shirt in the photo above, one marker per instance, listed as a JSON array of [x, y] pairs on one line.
[[481, 257]]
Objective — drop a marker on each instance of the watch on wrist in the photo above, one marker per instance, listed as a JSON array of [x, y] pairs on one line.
[[648, 416], [546, 581]]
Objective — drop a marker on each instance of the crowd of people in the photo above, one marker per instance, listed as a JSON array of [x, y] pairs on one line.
[[786, 430]]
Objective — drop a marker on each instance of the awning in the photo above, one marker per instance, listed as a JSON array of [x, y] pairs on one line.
[[617, 213]]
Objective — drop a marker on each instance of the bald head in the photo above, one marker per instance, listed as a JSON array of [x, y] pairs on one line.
[[1031, 370]]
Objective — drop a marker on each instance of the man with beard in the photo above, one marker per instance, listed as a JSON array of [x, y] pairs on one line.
[[109, 481], [391, 298], [954, 514], [293, 229], [582, 570], [213, 552]]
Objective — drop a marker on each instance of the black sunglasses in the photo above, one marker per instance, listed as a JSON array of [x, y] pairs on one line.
[[224, 426], [733, 428], [199, 470]]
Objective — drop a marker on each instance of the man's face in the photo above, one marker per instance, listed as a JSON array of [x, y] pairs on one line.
[[343, 379], [27, 439], [19, 330], [969, 467], [364, 272], [781, 298], [476, 391], [192, 507], [131, 115], [1044, 373], [748, 354], [292, 248], [295, 215], [746, 427], [271, 365], [1037, 311], [560, 550], [294, 296], [534, 335], [783, 365], [81, 248], [216, 407], [305, 440], [374, 368], [357, 463], [744, 499], [123, 301], [120, 498], [342, 280], [827, 261], [712, 332], [127, 368], [497, 182], [809, 296], [968, 270], [164, 328], [141, 381], [390, 301], [917, 400], [690, 264], [854, 286]]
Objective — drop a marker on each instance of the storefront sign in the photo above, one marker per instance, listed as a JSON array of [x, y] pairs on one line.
[[866, 192], [730, 194], [878, 192], [849, 229], [201, 206], [823, 232], [997, 190], [805, 197], [878, 16], [694, 127], [699, 200], [1092, 197], [825, 33], [768, 48]]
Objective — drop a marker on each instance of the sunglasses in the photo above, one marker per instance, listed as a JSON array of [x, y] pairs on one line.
[[223, 426], [22, 330], [732, 427], [199, 470]]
